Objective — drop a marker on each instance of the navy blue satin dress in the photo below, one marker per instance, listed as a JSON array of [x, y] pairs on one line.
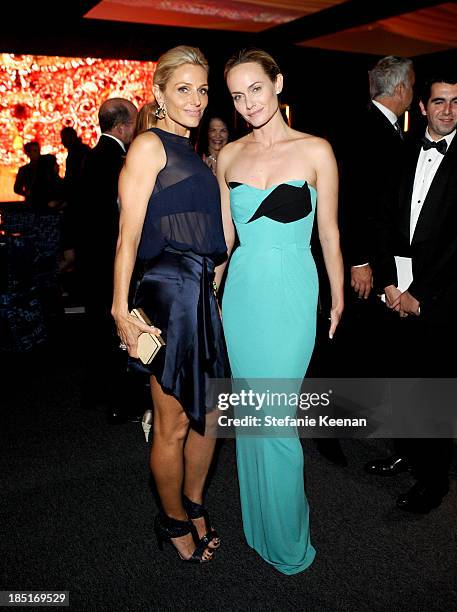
[[181, 242]]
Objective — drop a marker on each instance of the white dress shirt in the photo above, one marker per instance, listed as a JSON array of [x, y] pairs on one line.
[[427, 165], [391, 116], [119, 142]]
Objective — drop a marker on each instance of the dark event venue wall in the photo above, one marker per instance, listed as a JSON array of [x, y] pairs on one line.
[[325, 89]]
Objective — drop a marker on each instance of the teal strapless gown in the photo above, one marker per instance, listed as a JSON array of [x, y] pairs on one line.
[[269, 318]]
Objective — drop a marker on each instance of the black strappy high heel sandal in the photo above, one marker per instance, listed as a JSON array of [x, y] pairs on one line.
[[196, 511], [167, 528]]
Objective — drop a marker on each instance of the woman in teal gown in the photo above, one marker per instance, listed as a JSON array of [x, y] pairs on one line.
[[272, 182]]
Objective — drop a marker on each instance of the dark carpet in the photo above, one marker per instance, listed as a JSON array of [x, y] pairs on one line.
[[77, 514]]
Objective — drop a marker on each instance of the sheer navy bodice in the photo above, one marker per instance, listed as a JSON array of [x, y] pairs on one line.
[[184, 208]]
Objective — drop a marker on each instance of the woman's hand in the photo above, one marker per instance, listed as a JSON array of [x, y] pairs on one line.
[[128, 330], [146, 157], [335, 316], [327, 221]]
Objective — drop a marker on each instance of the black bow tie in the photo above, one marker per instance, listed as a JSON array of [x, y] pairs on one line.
[[440, 145]]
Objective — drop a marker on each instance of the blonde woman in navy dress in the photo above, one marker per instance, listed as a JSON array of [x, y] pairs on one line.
[[170, 217], [273, 181]]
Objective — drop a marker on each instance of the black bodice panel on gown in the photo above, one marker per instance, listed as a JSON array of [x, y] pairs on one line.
[[286, 203]]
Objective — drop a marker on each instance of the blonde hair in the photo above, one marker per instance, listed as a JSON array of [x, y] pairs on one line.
[[256, 56], [166, 65], [174, 58], [146, 118]]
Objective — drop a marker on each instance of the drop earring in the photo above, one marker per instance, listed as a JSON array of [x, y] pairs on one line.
[[160, 112]]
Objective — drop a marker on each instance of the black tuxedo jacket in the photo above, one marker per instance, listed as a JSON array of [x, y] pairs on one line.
[[99, 218], [370, 164], [74, 165], [24, 181], [434, 245]]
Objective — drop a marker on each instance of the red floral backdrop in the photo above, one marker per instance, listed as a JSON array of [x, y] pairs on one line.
[[39, 95]]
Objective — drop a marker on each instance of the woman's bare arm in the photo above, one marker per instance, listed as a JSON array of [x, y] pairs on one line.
[[223, 162], [327, 222], [145, 159]]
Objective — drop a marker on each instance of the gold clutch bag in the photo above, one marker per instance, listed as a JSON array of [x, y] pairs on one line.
[[148, 344]]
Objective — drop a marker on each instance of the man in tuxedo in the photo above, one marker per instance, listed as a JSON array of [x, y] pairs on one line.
[[98, 231], [39, 181], [370, 163], [76, 157], [416, 270], [26, 174], [99, 203]]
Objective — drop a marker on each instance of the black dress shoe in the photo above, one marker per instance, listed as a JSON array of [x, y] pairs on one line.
[[422, 498], [330, 448], [388, 467]]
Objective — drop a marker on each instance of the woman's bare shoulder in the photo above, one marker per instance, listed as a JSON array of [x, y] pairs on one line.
[[309, 140], [315, 145], [236, 145], [147, 148], [230, 150], [146, 141]]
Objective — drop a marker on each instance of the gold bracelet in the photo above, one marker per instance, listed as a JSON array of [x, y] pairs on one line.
[[215, 288]]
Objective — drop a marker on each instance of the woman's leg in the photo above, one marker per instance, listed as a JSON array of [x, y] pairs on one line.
[[170, 429], [198, 454]]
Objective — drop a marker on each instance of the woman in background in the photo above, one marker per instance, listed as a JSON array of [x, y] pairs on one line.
[[146, 118], [217, 138], [273, 181]]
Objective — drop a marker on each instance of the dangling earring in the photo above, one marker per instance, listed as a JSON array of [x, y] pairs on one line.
[[160, 112]]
